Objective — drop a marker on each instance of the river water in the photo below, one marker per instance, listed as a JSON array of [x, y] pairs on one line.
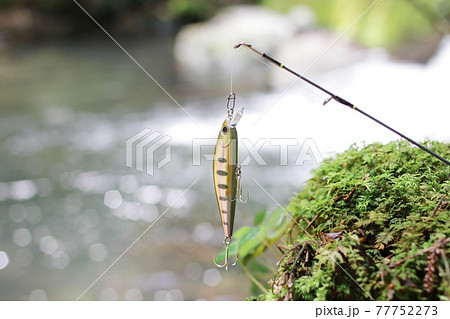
[[76, 221]]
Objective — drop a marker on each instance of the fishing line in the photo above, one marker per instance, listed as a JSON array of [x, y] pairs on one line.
[[136, 62], [315, 241], [339, 38], [341, 100], [231, 72], [320, 57], [263, 62], [135, 241], [270, 65], [279, 98]]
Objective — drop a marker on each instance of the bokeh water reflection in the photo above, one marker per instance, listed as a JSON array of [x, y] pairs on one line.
[[69, 206]]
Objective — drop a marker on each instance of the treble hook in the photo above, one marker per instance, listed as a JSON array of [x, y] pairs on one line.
[[226, 242], [240, 196], [239, 187]]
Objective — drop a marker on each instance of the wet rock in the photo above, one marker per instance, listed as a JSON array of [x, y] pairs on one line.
[[206, 49]]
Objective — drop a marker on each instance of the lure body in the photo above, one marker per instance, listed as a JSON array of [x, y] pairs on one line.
[[226, 173]]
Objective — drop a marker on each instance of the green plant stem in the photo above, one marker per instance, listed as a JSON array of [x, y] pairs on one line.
[[425, 251], [276, 254], [253, 279], [267, 264], [447, 268]]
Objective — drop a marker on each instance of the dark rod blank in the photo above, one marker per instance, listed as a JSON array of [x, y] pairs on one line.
[[341, 100]]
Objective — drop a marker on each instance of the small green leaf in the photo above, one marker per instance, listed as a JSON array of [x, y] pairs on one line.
[[256, 266], [276, 234], [273, 224], [241, 232], [259, 217], [220, 256], [385, 237], [248, 243]]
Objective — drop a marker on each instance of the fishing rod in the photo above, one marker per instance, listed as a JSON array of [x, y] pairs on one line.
[[340, 100]]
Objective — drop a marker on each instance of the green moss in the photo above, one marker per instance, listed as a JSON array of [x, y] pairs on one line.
[[377, 226]]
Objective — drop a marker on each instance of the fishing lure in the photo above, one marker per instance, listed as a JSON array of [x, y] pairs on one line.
[[340, 100], [227, 174]]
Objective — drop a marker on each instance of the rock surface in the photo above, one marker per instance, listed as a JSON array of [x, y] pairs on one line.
[[203, 51]]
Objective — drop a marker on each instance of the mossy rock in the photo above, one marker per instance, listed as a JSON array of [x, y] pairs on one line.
[[372, 223]]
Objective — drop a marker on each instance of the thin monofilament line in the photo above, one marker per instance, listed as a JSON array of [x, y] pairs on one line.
[[262, 61], [304, 86], [286, 76], [270, 65], [320, 57], [135, 241], [315, 241], [339, 38], [136, 62], [342, 101], [231, 72], [275, 102]]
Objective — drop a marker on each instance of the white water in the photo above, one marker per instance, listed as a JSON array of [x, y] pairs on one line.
[[412, 98]]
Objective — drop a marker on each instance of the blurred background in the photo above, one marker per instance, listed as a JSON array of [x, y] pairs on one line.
[[70, 98]]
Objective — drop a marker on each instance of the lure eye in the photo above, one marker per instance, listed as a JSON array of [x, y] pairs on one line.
[[225, 130]]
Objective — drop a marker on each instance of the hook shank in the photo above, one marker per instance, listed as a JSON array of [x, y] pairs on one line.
[[226, 242]]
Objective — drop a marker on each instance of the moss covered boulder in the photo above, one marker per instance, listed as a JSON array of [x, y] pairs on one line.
[[371, 224]]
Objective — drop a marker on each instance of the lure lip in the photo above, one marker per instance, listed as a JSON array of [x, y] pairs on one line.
[[236, 118]]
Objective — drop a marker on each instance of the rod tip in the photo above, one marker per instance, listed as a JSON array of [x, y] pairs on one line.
[[242, 43]]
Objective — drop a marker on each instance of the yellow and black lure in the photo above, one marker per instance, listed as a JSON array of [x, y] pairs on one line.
[[227, 173]]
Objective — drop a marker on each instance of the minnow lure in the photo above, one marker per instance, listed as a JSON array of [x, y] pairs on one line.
[[227, 173]]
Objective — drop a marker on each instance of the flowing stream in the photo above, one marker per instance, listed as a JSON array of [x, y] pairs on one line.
[[70, 207]]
